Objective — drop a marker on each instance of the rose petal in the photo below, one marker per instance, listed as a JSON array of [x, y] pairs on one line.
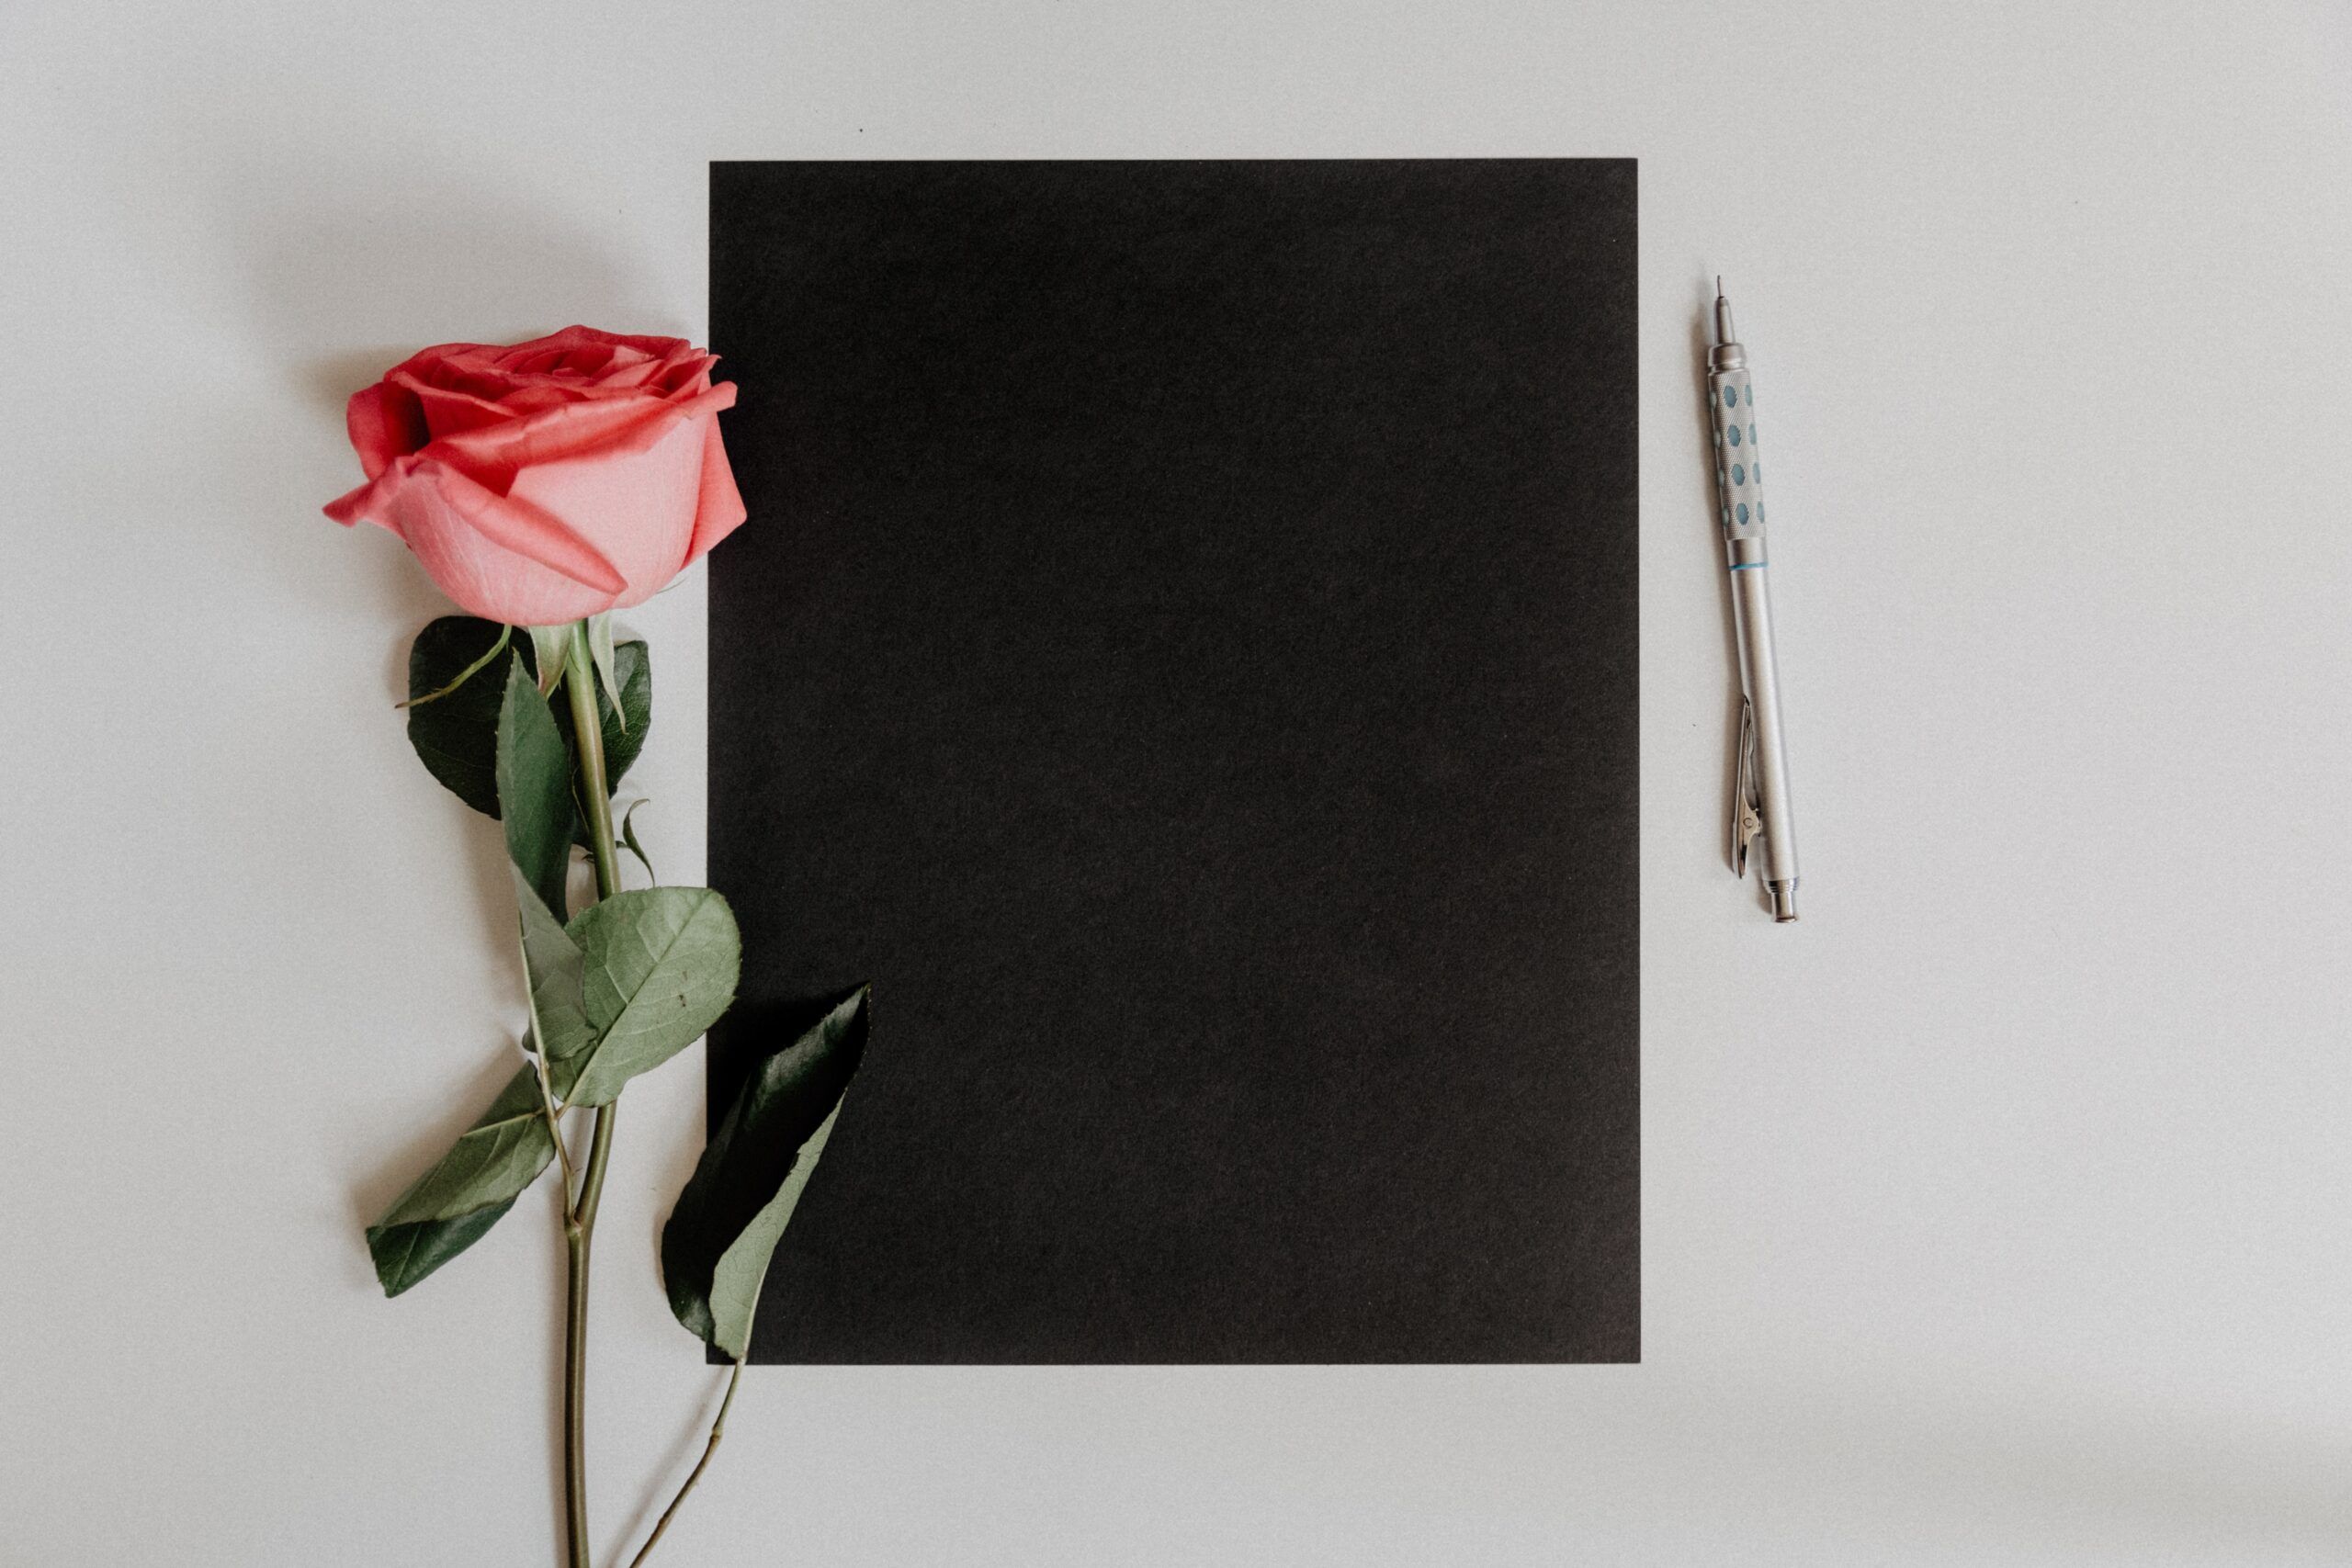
[[384, 423], [660, 348], [479, 570], [550, 480], [416, 488], [719, 511], [364, 505], [447, 409], [495, 454], [635, 502], [688, 376]]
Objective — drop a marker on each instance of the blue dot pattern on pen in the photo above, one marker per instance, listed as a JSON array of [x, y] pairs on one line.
[[1739, 484]]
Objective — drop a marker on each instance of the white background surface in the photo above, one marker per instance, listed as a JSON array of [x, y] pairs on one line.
[[1994, 1214]]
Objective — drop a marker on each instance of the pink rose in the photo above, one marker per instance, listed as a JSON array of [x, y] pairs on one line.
[[548, 481]]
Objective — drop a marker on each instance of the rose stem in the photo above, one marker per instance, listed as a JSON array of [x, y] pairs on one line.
[[580, 1219], [717, 1430], [578, 1228]]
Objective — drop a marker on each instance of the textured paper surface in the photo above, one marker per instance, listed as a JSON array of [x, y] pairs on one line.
[[1184, 654]]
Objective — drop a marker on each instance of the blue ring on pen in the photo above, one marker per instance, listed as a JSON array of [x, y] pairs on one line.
[[1750, 565]]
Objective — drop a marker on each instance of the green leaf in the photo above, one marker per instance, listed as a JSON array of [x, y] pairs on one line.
[[406, 1253], [551, 964], [624, 724], [456, 733], [719, 1240], [534, 788], [658, 967], [600, 653], [552, 646], [450, 1206], [628, 837], [462, 676]]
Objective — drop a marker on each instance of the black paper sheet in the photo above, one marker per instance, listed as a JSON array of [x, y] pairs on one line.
[[1184, 654]]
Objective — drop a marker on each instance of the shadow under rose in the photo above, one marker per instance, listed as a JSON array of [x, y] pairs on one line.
[[330, 380]]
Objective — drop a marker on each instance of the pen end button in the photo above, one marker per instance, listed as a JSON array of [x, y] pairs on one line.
[[1784, 901]]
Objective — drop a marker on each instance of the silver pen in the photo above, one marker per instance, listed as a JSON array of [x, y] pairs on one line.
[[1760, 805]]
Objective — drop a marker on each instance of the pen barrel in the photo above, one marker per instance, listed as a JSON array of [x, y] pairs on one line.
[[1739, 480], [1760, 677]]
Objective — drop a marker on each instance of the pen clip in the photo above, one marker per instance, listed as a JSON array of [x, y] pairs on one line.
[[1746, 804]]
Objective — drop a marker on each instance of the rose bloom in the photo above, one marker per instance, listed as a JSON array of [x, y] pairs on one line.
[[551, 481]]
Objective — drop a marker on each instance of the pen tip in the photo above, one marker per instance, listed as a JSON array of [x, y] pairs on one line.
[[1719, 285]]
